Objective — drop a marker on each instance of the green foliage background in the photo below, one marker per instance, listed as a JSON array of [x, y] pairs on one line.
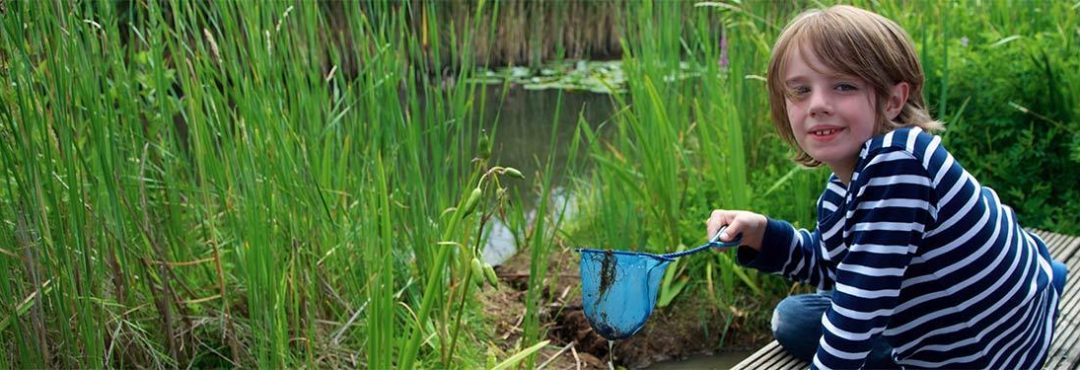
[[1014, 121]]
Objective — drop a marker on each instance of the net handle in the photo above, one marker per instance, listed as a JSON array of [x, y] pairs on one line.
[[714, 242]]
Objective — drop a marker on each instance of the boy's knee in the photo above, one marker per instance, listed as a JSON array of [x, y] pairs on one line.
[[782, 330], [1061, 273], [775, 322], [784, 310], [796, 323]]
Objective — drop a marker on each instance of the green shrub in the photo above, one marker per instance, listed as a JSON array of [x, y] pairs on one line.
[[1012, 121]]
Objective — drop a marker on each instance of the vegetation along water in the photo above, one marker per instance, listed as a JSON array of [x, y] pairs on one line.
[[314, 183]]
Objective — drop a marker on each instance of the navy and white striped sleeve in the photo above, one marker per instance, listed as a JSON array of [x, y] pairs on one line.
[[890, 211], [793, 253]]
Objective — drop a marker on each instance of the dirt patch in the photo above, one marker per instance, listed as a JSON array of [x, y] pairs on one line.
[[692, 325]]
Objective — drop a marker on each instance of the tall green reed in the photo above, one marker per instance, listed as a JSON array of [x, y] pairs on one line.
[[680, 141], [693, 134], [218, 184]]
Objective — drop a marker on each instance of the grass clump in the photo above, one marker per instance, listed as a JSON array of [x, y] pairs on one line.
[[215, 184]]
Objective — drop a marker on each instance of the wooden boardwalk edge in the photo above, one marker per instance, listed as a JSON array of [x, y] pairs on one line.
[[1064, 351]]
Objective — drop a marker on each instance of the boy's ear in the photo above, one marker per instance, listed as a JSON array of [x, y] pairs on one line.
[[898, 95]]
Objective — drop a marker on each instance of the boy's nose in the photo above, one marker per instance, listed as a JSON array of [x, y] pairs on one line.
[[819, 104]]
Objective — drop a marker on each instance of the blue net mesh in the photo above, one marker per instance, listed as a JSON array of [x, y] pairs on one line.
[[619, 288]]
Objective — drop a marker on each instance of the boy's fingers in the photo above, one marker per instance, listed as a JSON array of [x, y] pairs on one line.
[[718, 220], [714, 223], [711, 229], [721, 215], [733, 229]]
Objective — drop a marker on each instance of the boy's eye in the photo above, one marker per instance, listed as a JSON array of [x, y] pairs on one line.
[[846, 87]]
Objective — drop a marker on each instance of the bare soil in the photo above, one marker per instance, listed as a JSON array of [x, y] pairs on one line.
[[692, 325]]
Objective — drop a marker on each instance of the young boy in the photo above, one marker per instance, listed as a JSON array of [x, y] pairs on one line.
[[918, 264]]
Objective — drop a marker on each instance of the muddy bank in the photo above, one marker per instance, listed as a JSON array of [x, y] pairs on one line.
[[693, 325]]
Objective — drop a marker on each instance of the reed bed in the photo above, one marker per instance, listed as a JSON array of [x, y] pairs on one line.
[[200, 184], [531, 33], [686, 139]]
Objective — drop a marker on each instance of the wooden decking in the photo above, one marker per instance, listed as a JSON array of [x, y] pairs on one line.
[[1064, 351]]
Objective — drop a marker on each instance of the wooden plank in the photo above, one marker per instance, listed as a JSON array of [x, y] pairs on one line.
[[1063, 346], [1064, 351], [1071, 310], [765, 355], [1071, 249], [781, 361], [1061, 246], [1052, 242], [793, 363], [1064, 247]]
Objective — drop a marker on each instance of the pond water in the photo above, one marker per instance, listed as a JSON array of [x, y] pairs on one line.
[[526, 127]]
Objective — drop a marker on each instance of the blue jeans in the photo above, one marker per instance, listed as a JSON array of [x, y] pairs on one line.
[[796, 325], [1060, 272]]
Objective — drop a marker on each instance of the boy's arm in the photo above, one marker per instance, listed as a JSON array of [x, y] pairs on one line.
[[795, 254], [892, 211]]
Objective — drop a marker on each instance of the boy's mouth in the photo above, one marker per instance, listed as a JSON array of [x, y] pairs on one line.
[[825, 132]]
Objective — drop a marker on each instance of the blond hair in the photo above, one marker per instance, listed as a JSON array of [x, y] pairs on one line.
[[855, 42]]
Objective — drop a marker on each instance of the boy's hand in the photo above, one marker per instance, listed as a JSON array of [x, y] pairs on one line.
[[751, 225]]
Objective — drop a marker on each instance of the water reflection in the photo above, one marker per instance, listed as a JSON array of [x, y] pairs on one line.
[[501, 244], [527, 123]]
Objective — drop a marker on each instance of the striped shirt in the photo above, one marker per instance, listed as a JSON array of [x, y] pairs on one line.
[[917, 251]]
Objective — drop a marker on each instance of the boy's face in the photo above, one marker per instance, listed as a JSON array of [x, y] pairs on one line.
[[831, 115]]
